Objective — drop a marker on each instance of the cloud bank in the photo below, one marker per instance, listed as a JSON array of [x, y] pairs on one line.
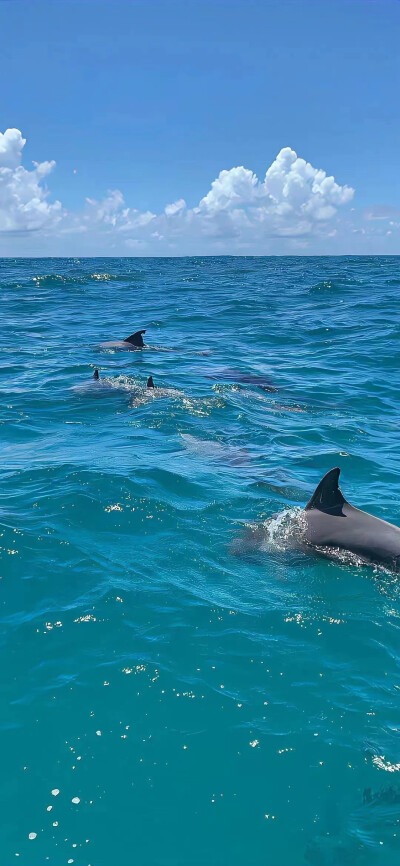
[[294, 208], [294, 200]]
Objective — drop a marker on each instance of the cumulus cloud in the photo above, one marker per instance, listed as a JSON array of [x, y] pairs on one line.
[[294, 202], [23, 197], [11, 144], [230, 190], [293, 198]]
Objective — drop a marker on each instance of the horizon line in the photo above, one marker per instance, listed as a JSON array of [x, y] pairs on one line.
[[221, 256]]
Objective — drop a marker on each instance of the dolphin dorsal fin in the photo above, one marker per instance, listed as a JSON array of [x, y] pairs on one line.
[[96, 374], [150, 383], [327, 496], [136, 339]]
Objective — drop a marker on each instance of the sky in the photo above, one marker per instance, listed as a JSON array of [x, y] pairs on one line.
[[199, 127]]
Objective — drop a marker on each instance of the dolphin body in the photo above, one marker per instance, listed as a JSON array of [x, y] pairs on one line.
[[212, 450], [134, 342], [95, 385], [349, 839], [230, 375], [333, 523]]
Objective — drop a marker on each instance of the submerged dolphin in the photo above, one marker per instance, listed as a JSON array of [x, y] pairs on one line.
[[135, 341], [213, 450], [349, 839], [333, 523], [230, 375], [95, 385]]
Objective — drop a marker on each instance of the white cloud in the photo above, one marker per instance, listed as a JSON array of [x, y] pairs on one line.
[[23, 198], [231, 190], [175, 207], [133, 219], [112, 212], [108, 210], [293, 199], [294, 205]]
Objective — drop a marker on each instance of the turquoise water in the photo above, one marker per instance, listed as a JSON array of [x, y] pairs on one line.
[[203, 704]]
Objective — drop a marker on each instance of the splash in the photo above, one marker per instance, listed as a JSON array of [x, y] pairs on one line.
[[282, 532], [285, 528]]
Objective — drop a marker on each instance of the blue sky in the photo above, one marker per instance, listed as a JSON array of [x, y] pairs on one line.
[[142, 104]]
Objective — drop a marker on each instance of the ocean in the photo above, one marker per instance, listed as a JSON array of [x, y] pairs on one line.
[[169, 695]]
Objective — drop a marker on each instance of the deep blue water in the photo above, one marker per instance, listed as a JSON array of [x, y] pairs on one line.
[[208, 705]]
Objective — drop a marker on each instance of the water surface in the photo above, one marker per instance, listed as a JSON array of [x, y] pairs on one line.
[[166, 702]]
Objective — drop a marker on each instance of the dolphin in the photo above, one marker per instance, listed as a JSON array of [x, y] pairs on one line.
[[349, 839], [94, 385], [209, 449], [134, 342], [115, 385], [333, 523], [231, 375]]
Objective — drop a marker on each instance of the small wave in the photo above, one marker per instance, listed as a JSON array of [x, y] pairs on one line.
[[326, 285], [122, 383], [348, 558], [147, 395], [43, 280], [382, 763], [344, 557], [51, 280]]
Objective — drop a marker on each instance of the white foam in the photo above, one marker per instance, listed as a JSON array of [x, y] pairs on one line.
[[285, 528]]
